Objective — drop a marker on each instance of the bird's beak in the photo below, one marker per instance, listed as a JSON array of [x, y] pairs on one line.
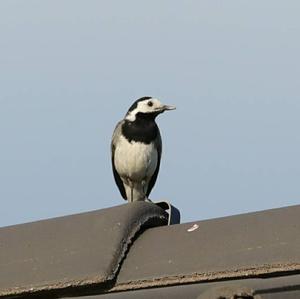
[[168, 107]]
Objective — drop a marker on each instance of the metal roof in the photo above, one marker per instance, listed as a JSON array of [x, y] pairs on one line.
[[72, 251], [108, 254], [283, 287], [253, 244]]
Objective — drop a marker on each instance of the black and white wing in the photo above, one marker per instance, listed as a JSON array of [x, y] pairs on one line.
[[115, 138], [158, 146]]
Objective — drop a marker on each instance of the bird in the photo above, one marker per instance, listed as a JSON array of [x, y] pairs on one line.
[[136, 149]]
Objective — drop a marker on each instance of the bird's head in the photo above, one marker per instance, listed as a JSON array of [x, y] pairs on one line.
[[147, 107]]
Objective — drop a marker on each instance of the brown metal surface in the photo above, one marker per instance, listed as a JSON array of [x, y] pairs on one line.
[[263, 288], [71, 251], [249, 245], [255, 255]]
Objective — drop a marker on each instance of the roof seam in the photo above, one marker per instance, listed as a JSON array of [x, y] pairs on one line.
[[264, 271]]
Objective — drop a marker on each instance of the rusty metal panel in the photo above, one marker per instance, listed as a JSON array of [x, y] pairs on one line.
[[71, 251], [249, 245]]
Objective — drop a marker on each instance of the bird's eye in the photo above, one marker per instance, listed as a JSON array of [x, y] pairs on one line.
[[150, 104]]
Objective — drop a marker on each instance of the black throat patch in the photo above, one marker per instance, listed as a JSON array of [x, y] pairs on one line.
[[144, 129]]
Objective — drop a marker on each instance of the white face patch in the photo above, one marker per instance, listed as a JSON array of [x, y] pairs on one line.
[[146, 106]]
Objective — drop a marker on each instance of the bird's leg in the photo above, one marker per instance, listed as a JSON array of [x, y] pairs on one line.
[[131, 192], [131, 185], [129, 189], [144, 185]]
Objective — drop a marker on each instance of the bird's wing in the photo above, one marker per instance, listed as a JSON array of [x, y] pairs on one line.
[[158, 146], [115, 138]]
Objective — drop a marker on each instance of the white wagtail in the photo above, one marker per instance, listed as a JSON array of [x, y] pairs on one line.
[[136, 149]]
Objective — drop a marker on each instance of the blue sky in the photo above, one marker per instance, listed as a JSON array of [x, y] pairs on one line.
[[70, 69]]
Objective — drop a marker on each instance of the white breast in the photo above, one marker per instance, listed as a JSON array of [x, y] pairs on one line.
[[135, 160]]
